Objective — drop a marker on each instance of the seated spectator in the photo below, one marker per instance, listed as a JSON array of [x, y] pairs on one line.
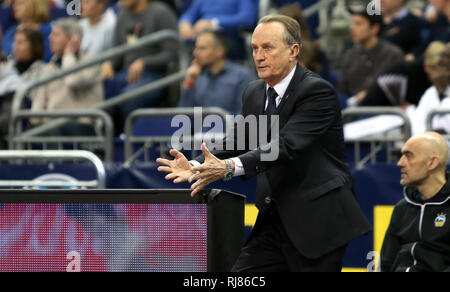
[[439, 20], [401, 27], [137, 19], [28, 51], [229, 15], [312, 21], [76, 91], [312, 56], [369, 56], [98, 26], [417, 236], [32, 14], [211, 79], [401, 85], [437, 67]]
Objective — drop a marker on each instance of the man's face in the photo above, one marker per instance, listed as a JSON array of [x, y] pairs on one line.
[[360, 29], [413, 163], [273, 57], [388, 6], [58, 41], [90, 8], [206, 51]]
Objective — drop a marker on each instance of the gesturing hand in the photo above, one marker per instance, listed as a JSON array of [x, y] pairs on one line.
[[179, 169], [210, 171]]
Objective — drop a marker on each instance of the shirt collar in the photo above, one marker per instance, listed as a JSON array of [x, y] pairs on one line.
[[283, 85]]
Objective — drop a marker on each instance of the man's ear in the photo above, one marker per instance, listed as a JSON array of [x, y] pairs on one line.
[[434, 162], [295, 50]]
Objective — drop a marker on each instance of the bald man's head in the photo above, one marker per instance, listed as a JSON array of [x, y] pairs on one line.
[[423, 156]]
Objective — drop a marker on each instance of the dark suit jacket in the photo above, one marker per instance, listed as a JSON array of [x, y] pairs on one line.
[[309, 182]]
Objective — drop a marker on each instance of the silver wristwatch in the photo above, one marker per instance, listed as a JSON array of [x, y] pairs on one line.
[[229, 174]]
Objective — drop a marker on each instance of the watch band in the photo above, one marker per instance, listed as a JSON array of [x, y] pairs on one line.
[[229, 174]]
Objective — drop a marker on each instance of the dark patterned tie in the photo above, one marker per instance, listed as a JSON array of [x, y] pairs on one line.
[[263, 191], [272, 105]]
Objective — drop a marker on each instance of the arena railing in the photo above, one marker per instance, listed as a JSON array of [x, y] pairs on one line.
[[149, 141], [55, 155], [387, 140], [437, 112], [110, 54], [103, 127]]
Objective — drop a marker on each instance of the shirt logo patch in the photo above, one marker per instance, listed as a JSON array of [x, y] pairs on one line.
[[439, 222]]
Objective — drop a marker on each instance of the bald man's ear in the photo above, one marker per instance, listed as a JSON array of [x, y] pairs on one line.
[[434, 163]]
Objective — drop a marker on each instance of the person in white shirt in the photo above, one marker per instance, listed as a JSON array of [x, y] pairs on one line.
[[98, 24], [437, 67]]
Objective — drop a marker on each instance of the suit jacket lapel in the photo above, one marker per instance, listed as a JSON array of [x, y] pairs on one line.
[[261, 99], [298, 75]]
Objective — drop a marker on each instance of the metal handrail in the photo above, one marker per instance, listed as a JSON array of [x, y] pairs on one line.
[[56, 155], [433, 113], [376, 139], [168, 112], [378, 110], [110, 54], [88, 113]]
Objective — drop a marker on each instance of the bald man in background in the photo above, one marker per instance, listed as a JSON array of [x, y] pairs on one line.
[[418, 236]]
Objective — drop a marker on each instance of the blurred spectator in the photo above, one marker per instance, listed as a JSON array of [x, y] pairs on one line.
[[369, 56], [98, 26], [28, 51], [439, 19], [143, 66], [32, 14], [211, 79], [78, 90], [401, 27], [27, 66], [401, 85], [437, 67], [312, 20], [312, 56], [229, 15]]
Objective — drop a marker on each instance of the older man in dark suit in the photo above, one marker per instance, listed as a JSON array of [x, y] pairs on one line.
[[308, 212]]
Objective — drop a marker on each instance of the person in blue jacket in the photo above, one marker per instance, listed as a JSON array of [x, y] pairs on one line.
[[229, 15]]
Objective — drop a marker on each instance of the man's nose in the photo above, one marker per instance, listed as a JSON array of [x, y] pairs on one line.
[[400, 162], [258, 55]]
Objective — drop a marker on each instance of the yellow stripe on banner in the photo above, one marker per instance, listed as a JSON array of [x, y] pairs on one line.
[[354, 270], [381, 220], [251, 212]]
